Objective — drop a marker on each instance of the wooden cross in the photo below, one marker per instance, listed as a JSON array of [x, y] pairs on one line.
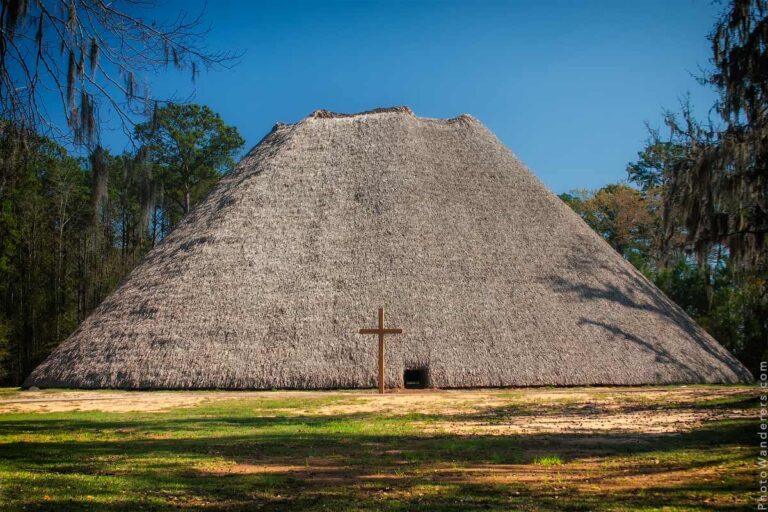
[[381, 331]]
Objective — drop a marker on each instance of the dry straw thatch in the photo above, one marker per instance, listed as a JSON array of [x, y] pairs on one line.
[[493, 279]]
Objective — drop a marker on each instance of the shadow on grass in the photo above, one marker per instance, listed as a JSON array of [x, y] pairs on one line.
[[354, 461]]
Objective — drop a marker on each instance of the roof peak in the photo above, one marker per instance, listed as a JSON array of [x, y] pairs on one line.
[[404, 110], [327, 114]]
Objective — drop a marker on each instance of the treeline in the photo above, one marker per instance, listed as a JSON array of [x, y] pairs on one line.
[[693, 216], [72, 228]]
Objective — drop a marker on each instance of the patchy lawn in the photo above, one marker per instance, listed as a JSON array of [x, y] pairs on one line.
[[668, 448]]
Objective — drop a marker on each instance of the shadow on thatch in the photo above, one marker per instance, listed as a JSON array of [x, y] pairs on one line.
[[662, 355], [634, 293]]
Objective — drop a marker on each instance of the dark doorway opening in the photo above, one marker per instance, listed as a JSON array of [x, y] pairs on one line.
[[415, 379]]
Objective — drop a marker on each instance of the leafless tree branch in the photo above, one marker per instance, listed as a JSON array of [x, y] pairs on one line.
[[87, 54]]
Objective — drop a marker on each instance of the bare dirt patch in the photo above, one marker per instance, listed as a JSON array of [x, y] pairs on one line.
[[128, 401], [470, 412], [33, 401], [673, 421], [546, 411]]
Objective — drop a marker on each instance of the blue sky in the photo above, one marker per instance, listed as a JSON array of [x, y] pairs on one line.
[[567, 85]]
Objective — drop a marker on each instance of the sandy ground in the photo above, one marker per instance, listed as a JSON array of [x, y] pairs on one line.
[[466, 412], [119, 401]]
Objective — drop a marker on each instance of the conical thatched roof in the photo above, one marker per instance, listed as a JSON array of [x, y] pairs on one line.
[[493, 279]]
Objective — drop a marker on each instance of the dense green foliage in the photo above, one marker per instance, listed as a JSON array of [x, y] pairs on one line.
[[45, 205], [192, 147], [71, 228]]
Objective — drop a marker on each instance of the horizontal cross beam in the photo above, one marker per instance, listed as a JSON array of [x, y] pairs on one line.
[[381, 331]]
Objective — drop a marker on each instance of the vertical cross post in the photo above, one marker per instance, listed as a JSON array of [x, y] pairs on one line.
[[381, 331], [381, 350]]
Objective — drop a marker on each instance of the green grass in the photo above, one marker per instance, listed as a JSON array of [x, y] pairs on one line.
[[549, 460], [290, 454]]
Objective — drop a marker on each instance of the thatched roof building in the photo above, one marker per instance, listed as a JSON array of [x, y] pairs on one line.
[[493, 279]]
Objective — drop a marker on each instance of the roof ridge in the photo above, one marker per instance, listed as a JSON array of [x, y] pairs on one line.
[[328, 114]]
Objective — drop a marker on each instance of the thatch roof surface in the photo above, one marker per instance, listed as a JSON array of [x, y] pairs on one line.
[[493, 279]]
